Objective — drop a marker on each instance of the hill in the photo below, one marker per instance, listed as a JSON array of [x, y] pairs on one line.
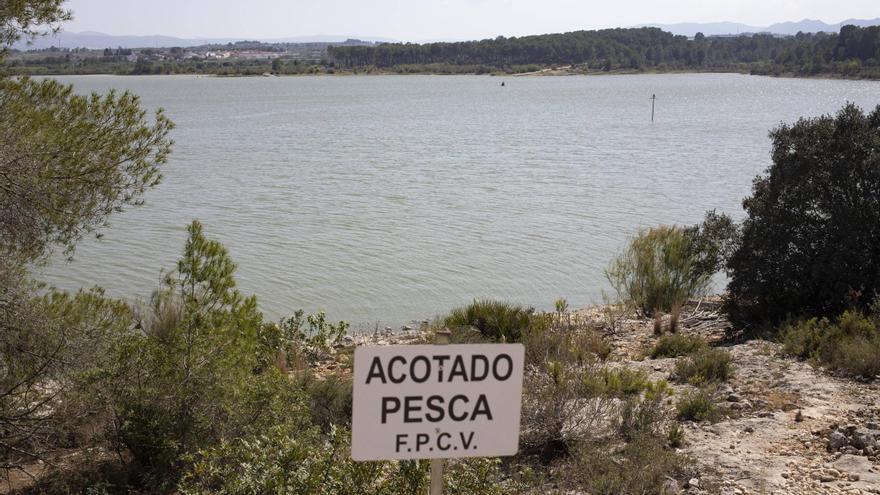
[[781, 28]]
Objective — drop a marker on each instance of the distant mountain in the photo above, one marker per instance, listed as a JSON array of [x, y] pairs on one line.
[[781, 28], [93, 40]]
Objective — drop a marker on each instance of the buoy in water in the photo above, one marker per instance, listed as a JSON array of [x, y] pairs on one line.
[[502, 83]]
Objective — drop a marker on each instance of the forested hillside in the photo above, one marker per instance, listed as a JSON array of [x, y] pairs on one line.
[[853, 52]]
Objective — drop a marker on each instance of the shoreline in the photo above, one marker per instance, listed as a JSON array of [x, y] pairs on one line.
[[565, 71]]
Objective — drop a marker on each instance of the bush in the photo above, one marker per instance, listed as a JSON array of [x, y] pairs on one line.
[[658, 271], [641, 466], [697, 405], [282, 461], [496, 320], [850, 344], [858, 356], [546, 342], [703, 366], [618, 382], [808, 244], [301, 462], [675, 345], [572, 398], [330, 399]]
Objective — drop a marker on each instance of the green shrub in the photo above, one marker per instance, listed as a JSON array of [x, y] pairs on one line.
[[641, 416], [803, 339], [808, 244], [697, 405], [617, 382], [546, 342], [329, 399], [858, 356], [282, 461], [477, 476], [850, 344], [704, 366], [302, 462], [675, 345], [658, 271], [675, 435], [496, 320], [643, 465]]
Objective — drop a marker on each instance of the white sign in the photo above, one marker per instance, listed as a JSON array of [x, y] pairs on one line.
[[436, 401]]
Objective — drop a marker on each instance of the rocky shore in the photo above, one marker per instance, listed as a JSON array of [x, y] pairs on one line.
[[786, 427]]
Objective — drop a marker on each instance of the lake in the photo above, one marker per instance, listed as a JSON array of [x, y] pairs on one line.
[[384, 199]]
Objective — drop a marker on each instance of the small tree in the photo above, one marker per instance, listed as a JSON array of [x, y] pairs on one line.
[[176, 382], [658, 271], [811, 241]]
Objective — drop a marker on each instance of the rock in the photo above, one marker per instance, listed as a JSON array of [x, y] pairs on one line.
[[862, 441], [733, 398], [671, 487], [823, 477], [872, 425], [863, 438], [694, 483], [749, 429], [857, 466], [836, 441]]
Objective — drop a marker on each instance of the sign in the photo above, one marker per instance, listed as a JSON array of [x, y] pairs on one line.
[[436, 401]]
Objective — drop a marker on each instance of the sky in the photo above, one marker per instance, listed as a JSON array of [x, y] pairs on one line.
[[424, 20]]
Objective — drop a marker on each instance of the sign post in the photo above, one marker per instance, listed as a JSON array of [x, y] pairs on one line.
[[436, 402], [440, 338]]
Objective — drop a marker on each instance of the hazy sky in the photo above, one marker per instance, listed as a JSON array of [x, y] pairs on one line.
[[432, 19]]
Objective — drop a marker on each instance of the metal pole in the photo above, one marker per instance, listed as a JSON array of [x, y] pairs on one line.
[[653, 99], [440, 338]]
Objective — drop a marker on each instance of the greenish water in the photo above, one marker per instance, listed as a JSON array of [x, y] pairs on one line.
[[392, 198]]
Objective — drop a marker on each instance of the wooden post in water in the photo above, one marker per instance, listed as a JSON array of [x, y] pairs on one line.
[[440, 338], [653, 99]]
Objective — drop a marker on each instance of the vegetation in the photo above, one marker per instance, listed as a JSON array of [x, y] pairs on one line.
[[809, 243], [608, 424], [675, 345], [105, 154], [698, 405], [853, 52], [494, 320], [193, 392], [658, 271], [850, 344], [704, 366]]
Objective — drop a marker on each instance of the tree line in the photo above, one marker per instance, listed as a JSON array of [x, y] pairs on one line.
[[855, 51]]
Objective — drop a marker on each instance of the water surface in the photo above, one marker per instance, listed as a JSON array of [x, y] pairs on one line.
[[391, 198]]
